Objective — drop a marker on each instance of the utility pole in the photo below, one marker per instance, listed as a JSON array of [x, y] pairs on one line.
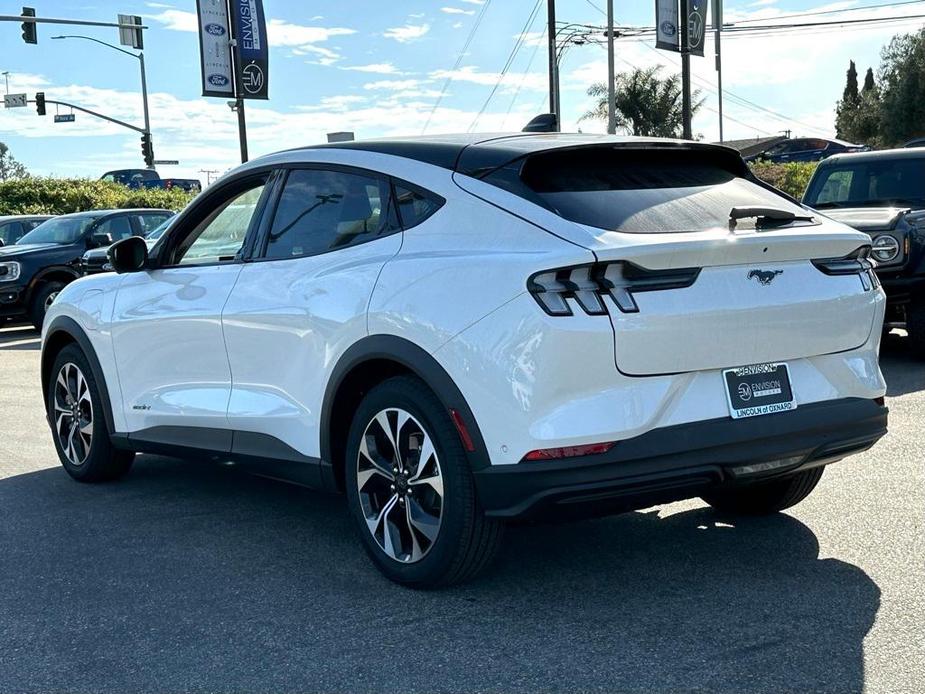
[[553, 66], [718, 30], [686, 131], [611, 88], [209, 174]]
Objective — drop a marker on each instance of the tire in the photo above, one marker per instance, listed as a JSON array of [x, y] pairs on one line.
[[41, 301], [763, 498], [84, 450], [915, 325], [435, 540]]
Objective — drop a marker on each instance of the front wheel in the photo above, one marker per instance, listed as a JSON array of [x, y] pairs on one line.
[[410, 490], [44, 297], [763, 498], [75, 412]]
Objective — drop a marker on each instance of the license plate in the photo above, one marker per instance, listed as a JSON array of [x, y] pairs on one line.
[[758, 389]]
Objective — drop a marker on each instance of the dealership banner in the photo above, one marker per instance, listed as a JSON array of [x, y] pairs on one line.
[[215, 48], [252, 52], [668, 24]]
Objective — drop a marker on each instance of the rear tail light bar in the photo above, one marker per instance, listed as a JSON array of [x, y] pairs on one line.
[[858, 262], [587, 285]]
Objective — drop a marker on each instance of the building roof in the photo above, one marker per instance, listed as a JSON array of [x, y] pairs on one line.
[[754, 145]]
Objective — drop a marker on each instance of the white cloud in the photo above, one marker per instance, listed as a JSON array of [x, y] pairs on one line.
[[406, 33], [456, 10], [392, 84], [470, 73], [378, 68], [474, 2]]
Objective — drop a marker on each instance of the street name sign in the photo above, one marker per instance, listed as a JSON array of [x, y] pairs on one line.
[[64, 118]]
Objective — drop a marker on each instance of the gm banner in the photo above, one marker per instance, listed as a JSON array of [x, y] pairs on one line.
[[252, 53], [666, 25], [214, 48]]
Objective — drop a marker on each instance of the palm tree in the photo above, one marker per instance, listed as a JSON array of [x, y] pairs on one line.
[[645, 103]]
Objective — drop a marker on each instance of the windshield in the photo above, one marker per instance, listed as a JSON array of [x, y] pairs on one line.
[[871, 183], [62, 230], [639, 191]]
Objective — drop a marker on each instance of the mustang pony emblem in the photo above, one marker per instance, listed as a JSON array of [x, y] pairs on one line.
[[764, 276]]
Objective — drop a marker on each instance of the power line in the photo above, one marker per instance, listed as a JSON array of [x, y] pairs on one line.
[[523, 78], [507, 64], [826, 12], [459, 59]]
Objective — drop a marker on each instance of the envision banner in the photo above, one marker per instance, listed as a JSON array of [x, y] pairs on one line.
[[668, 24], [215, 48], [252, 53]]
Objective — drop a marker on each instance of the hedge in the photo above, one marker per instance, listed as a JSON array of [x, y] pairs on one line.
[[792, 178], [64, 195]]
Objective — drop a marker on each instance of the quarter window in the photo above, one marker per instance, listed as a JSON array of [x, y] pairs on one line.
[[322, 210], [220, 236], [414, 206]]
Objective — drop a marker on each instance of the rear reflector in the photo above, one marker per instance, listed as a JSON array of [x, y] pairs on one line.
[[568, 451], [463, 431]]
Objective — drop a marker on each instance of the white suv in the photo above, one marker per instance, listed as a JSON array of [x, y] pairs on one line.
[[460, 331]]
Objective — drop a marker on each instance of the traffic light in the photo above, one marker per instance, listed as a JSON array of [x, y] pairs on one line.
[[147, 150], [29, 34], [40, 103]]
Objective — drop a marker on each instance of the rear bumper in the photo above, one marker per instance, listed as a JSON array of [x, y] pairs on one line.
[[683, 461]]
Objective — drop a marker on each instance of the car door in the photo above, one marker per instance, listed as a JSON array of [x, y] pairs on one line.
[[166, 325], [302, 302]]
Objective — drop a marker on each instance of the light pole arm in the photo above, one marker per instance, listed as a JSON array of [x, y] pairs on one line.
[[93, 113], [102, 43]]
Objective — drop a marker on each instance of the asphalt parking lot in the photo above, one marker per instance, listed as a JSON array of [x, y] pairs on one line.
[[193, 577]]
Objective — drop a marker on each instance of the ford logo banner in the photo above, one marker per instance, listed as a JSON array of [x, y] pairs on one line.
[[218, 80], [215, 29], [668, 28]]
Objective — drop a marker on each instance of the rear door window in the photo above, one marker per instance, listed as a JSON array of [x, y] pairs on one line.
[[639, 190], [117, 228]]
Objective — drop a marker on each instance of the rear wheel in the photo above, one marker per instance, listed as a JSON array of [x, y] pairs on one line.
[[410, 490], [78, 428], [42, 301], [915, 325], [764, 498]]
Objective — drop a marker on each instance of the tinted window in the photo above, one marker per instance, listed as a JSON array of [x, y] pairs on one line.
[[639, 191], [10, 232], [414, 206], [117, 228], [219, 237], [322, 210], [870, 182], [61, 230], [150, 222]]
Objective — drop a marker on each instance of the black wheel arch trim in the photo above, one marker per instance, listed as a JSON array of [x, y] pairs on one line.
[[70, 327], [42, 276], [419, 362]]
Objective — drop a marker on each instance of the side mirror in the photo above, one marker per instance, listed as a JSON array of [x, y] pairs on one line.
[[128, 255], [98, 240]]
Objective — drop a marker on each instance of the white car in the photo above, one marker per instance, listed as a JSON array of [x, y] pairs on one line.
[[460, 331]]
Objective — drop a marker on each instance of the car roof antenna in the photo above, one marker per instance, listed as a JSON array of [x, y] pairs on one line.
[[543, 123]]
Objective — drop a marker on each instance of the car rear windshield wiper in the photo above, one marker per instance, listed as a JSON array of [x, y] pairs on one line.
[[764, 215]]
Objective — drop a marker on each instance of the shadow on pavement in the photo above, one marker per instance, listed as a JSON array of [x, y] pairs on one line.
[[20, 337], [903, 370], [192, 577]]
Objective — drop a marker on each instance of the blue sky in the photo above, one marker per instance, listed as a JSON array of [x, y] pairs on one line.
[[377, 67]]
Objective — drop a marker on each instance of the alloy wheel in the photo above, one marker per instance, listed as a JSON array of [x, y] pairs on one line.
[[73, 414], [50, 299], [400, 485]]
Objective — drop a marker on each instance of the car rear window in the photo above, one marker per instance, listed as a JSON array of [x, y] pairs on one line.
[[638, 190]]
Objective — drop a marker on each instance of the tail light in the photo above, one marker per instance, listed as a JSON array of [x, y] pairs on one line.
[[857, 262], [568, 452], [587, 285]]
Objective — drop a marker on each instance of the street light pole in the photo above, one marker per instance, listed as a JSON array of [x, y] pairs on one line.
[[687, 130], [553, 67], [611, 87], [144, 82]]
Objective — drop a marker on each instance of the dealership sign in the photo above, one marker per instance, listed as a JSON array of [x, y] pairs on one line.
[[668, 15], [250, 31], [215, 48]]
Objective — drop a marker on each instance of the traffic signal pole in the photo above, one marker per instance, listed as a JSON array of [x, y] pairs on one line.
[[89, 112]]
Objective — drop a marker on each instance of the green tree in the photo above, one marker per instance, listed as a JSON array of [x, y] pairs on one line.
[[902, 84], [857, 115], [9, 167], [869, 81], [645, 103], [850, 95]]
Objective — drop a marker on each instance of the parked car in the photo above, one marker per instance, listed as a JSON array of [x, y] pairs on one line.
[[461, 331], [97, 259], [883, 194], [14, 226], [806, 149], [149, 178], [41, 263]]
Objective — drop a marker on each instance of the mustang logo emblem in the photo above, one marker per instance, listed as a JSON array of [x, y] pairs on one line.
[[764, 276]]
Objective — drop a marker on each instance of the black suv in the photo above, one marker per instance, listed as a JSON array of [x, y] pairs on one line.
[[35, 268], [14, 226], [883, 194]]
